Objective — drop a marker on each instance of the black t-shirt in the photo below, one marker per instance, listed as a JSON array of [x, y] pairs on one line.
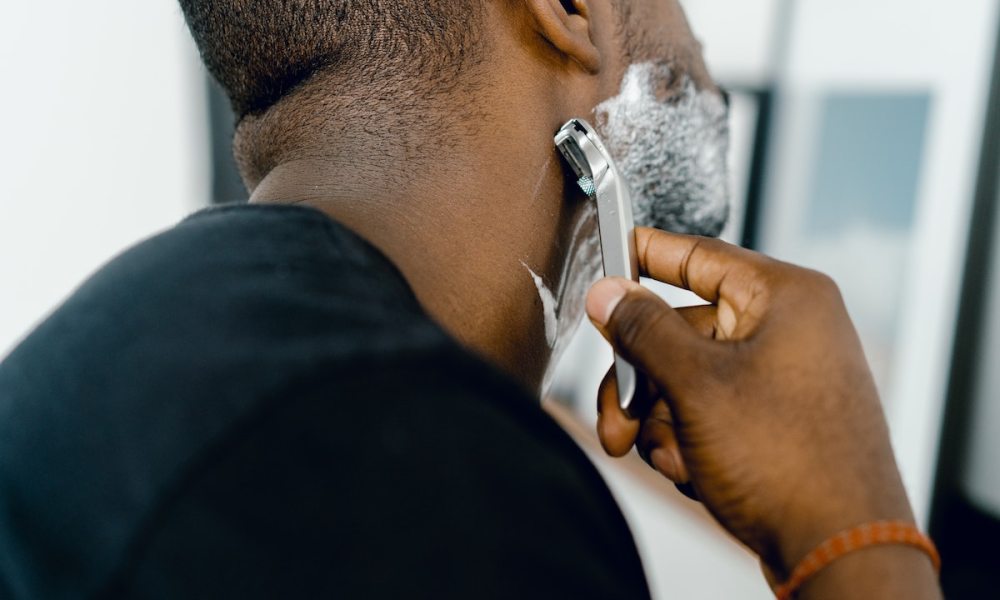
[[253, 404]]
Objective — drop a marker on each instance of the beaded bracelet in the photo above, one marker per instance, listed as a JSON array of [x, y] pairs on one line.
[[863, 536]]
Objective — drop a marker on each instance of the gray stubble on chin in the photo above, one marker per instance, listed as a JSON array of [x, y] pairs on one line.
[[673, 152]]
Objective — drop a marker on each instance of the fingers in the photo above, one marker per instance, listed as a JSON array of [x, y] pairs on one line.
[[708, 267], [688, 490], [702, 319], [615, 429], [653, 437], [658, 443], [650, 334]]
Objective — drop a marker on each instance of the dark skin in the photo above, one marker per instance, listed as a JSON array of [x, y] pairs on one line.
[[462, 206], [491, 200], [764, 402]]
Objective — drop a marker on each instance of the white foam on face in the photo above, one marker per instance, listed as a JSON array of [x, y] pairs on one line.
[[671, 147], [563, 308], [548, 306], [583, 267], [672, 152]]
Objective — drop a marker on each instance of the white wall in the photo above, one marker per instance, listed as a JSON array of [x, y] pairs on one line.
[[102, 142], [876, 46], [739, 37]]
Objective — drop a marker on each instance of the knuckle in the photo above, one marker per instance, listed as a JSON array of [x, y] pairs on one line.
[[822, 280], [813, 285], [824, 286]]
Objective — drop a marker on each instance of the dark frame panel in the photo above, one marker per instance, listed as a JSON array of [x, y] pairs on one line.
[[227, 186], [966, 535]]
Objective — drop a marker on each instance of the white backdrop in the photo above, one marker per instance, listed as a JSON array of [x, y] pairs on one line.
[[102, 142], [945, 49]]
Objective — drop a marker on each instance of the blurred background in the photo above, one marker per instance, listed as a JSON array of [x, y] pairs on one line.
[[866, 145]]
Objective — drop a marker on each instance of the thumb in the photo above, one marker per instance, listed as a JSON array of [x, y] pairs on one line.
[[648, 333]]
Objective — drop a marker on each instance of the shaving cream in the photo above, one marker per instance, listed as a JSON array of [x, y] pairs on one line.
[[549, 305], [672, 151], [670, 142]]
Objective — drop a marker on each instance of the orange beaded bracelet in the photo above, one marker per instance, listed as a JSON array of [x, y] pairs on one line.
[[863, 536]]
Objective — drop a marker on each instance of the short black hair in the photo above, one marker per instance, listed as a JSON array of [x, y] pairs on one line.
[[260, 50]]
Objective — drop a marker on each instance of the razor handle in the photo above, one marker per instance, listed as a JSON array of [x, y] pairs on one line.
[[599, 179]]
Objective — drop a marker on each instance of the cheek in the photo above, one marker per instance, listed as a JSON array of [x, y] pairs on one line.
[[668, 140]]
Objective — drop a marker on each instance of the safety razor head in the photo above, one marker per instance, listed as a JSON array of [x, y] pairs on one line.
[[584, 153]]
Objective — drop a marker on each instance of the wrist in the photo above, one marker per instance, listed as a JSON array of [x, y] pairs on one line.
[[876, 572], [801, 536]]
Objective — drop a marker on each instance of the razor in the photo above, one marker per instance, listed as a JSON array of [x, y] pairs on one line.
[[598, 178]]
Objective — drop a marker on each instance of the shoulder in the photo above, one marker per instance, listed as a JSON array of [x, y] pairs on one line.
[[162, 353], [226, 290], [256, 392], [416, 476]]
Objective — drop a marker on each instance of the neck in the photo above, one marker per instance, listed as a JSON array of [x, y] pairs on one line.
[[464, 226]]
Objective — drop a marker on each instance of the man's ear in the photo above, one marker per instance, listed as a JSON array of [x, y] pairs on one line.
[[566, 24]]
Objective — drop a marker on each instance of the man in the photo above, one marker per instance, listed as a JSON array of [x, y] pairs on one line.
[[338, 398]]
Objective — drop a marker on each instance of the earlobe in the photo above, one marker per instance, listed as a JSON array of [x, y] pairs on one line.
[[567, 25]]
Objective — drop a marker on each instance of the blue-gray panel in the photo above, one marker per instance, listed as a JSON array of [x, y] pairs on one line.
[[868, 161]]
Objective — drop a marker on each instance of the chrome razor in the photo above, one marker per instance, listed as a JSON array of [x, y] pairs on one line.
[[600, 180]]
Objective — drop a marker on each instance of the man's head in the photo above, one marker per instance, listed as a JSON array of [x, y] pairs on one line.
[[261, 51], [426, 126], [334, 61]]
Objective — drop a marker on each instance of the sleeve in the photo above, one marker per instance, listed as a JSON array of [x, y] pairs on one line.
[[399, 481]]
